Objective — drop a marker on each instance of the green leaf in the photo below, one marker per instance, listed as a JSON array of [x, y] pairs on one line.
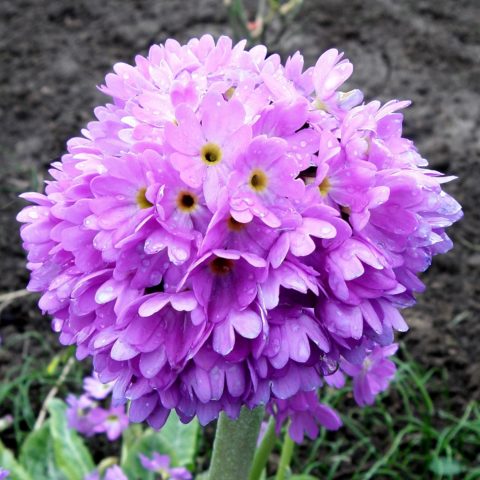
[[130, 437], [37, 455], [302, 477], [446, 466], [148, 443], [202, 476], [181, 439], [7, 461], [70, 453], [175, 439]]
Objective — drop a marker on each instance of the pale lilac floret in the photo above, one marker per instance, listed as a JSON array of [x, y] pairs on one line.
[[203, 151], [112, 422], [85, 415], [4, 473], [306, 414], [231, 231], [265, 183], [373, 375], [113, 473], [160, 464], [78, 414]]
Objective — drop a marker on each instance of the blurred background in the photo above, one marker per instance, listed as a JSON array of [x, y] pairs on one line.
[[54, 53]]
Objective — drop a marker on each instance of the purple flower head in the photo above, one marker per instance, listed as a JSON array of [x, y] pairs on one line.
[[231, 231], [4, 473], [160, 464]]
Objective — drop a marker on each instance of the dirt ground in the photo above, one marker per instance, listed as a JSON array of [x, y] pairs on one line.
[[53, 53]]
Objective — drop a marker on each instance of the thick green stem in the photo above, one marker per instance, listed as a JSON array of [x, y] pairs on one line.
[[263, 452], [234, 446], [286, 457]]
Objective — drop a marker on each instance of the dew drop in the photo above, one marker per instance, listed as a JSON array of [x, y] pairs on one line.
[[328, 366]]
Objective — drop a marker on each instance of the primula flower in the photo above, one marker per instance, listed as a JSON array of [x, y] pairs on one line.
[[305, 414], [78, 414], [160, 464], [112, 422], [263, 182], [373, 375], [234, 232], [112, 473], [86, 416], [205, 148]]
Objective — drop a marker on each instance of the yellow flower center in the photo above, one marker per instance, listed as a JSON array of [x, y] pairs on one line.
[[142, 201], [367, 363], [228, 94], [211, 154], [319, 105], [325, 187], [258, 180], [234, 225], [221, 266], [186, 201]]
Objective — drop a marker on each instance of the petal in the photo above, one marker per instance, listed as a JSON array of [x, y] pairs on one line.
[[142, 407], [247, 323]]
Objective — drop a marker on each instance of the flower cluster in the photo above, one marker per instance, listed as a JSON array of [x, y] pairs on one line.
[[86, 416], [234, 231]]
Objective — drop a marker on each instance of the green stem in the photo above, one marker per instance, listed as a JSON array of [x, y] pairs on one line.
[[286, 457], [234, 446], [263, 452]]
